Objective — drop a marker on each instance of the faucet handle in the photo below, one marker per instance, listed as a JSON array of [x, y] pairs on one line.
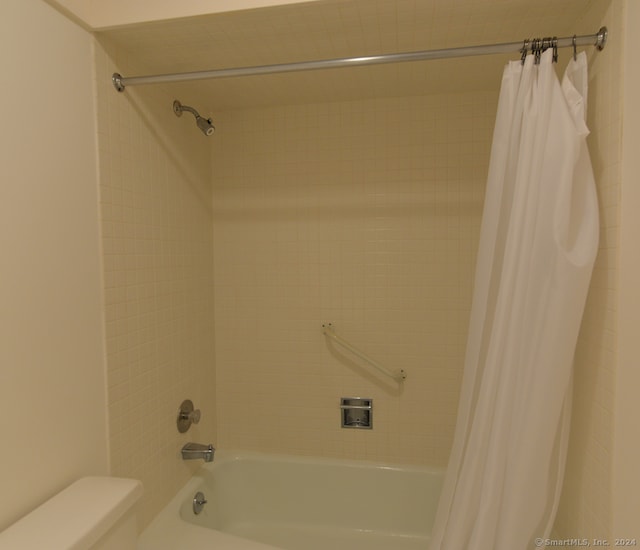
[[194, 416], [187, 415]]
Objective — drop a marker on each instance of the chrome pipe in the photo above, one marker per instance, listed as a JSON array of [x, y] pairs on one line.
[[120, 82]]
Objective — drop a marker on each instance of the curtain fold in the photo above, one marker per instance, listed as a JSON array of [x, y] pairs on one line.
[[538, 242]]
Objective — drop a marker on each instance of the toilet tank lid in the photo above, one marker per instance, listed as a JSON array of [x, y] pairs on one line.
[[75, 518]]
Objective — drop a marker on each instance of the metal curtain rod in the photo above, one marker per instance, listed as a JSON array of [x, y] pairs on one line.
[[120, 82]]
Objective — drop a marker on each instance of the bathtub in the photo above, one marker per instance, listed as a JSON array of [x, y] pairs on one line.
[[262, 501]]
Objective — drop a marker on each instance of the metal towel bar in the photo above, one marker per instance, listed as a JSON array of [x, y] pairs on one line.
[[399, 375]]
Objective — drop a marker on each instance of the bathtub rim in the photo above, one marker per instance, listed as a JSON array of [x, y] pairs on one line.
[[232, 455]]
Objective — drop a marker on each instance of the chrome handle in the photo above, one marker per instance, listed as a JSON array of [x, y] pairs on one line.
[[193, 416], [187, 415], [198, 502]]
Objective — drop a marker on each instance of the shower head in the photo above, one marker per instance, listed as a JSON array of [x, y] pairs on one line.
[[204, 124]]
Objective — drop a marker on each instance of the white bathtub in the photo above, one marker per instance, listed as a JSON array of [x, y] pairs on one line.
[[259, 501]]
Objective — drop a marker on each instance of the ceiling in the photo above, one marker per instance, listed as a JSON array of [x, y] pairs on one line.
[[100, 15], [328, 29]]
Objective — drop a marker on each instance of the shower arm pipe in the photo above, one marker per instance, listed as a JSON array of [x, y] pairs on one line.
[[120, 82], [190, 110], [399, 375]]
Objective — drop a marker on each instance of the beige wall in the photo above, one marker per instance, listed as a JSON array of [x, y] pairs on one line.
[[626, 451], [155, 210], [364, 214], [52, 386]]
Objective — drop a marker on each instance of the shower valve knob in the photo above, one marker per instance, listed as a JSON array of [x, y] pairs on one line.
[[187, 415], [194, 416]]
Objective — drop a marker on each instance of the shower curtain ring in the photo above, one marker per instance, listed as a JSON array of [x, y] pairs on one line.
[[524, 50], [554, 41], [575, 53], [536, 48]]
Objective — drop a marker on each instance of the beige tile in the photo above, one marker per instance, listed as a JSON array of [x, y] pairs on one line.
[[336, 212], [158, 267]]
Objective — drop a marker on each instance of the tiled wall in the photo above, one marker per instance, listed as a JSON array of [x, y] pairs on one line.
[[155, 207], [585, 509], [364, 214]]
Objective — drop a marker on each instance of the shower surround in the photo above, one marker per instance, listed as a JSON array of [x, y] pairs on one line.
[[314, 219], [362, 213]]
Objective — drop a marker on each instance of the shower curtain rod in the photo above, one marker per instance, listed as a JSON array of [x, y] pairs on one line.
[[599, 40]]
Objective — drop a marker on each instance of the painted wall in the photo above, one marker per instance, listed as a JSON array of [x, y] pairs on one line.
[[157, 237], [626, 451], [364, 214], [52, 371]]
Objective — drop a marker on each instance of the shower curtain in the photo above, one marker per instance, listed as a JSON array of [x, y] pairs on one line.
[[538, 242]]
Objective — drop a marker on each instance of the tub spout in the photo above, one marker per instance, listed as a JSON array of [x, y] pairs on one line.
[[192, 451]]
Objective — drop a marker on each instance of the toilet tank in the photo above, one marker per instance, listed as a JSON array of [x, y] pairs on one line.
[[94, 513]]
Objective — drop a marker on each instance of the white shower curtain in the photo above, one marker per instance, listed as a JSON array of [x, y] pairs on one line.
[[538, 242]]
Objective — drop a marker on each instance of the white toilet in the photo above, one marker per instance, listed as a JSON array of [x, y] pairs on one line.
[[94, 513]]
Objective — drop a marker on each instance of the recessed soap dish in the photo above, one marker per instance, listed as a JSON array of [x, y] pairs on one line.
[[356, 412]]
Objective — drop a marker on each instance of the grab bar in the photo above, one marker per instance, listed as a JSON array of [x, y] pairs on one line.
[[399, 375]]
